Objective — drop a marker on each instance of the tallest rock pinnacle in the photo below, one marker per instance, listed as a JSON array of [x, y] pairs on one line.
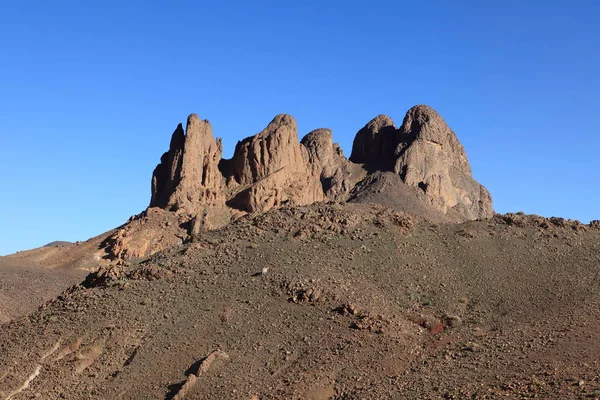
[[272, 168], [430, 157], [427, 155]]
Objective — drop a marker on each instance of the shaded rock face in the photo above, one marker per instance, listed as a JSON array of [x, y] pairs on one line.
[[375, 143], [167, 174], [426, 154]]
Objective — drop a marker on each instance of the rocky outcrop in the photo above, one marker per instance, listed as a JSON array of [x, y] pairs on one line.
[[375, 143], [420, 167], [273, 169], [152, 231], [275, 147], [188, 176], [167, 174], [429, 156], [327, 161], [426, 154]]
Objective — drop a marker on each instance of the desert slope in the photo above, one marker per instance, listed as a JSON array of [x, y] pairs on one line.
[[339, 301]]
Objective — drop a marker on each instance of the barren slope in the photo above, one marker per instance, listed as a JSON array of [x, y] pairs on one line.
[[353, 302], [24, 286]]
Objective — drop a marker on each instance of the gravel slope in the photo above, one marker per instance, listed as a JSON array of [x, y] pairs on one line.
[[328, 302]]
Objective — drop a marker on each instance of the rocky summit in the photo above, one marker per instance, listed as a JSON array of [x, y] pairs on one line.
[[420, 168], [426, 154], [272, 169]]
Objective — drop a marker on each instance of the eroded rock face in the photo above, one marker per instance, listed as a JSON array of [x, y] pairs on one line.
[[188, 176], [276, 167], [327, 161], [430, 157], [283, 187], [152, 231], [426, 154], [275, 147], [272, 169]]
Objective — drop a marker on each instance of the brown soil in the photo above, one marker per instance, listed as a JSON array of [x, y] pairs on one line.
[[25, 286], [333, 301]]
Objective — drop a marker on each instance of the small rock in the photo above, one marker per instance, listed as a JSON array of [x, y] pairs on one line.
[[452, 320]]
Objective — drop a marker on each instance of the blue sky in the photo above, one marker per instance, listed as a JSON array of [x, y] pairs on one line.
[[90, 93]]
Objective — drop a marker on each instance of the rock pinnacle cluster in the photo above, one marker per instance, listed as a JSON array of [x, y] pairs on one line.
[[419, 168], [273, 168]]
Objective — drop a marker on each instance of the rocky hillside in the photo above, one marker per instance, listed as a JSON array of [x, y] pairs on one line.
[[290, 271], [420, 168], [328, 302]]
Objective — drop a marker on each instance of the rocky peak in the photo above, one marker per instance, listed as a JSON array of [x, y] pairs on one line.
[[166, 175], [426, 154], [272, 168], [327, 161], [273, 148], [375, 143], [423, 123], [430, 156], [276, 167], [188, 176]]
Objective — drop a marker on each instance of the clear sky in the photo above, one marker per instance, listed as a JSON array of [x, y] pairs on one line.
[[90, 93]]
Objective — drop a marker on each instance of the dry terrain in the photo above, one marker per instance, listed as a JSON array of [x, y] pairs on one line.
[[292, 272], [327, 301]]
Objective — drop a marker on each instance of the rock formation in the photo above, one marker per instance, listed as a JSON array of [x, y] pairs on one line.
[[431, 157], [426, 154], [274, 168], [274, 148], [375, 143], [188, 176], [420, 168], [327, 161]]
